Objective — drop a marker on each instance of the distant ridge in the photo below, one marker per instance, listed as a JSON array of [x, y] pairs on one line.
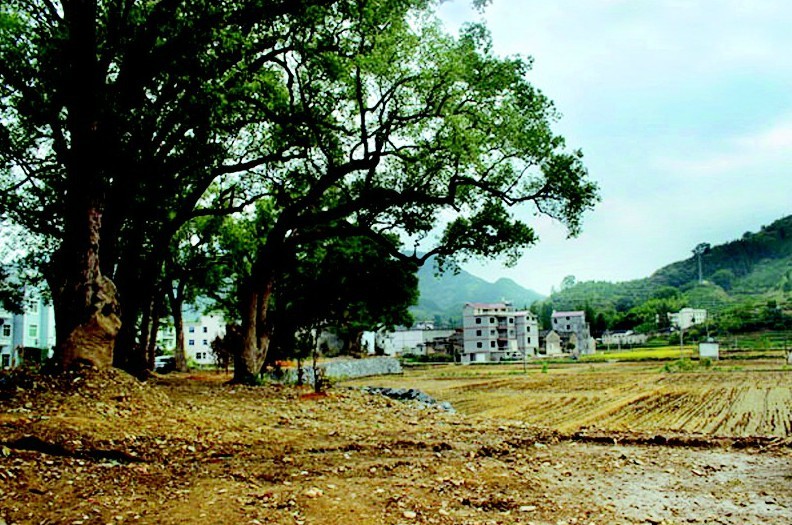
[[755, 265], [445, 295]]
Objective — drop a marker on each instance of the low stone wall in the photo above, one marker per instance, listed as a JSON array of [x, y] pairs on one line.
[[348, 369]]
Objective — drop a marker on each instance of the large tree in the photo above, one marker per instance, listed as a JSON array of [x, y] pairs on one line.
[[405, 129], [115, 118], [351, 117]]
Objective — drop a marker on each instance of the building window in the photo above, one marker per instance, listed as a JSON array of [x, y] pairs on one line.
[[492, 332], [478, 320], [191, 329], [205, 329], [191, 342], [511, 320], [33, 330], [478, 333], [568, 327], [6, 360], [492, 320], [529, 339], [479, 345], [6, 330], [205, 342], [492, 344]]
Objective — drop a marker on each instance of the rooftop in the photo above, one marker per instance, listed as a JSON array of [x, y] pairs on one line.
[[569, 314]]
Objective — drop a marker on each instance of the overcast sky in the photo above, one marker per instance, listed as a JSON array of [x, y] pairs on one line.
[[683, 110]]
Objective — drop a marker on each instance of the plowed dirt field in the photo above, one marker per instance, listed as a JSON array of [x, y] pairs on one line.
[[101, 448], [755, 399]]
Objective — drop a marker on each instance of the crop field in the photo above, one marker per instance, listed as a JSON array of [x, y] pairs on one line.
[[643, 354], [752, 399]]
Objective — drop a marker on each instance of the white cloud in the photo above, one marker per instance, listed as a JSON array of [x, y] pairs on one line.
[[776, 139]]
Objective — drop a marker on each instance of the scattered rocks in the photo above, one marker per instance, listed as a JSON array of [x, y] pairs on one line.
[[421, 399]]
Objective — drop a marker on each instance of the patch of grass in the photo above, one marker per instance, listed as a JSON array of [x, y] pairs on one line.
[[661, 353]]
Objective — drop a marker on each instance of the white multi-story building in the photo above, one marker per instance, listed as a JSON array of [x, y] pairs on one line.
[[33, 328], [496, 331], [573, 328], [687, 317], [199, 332]]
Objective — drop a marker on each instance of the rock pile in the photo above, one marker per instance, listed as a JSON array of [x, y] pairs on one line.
[[421, 399]]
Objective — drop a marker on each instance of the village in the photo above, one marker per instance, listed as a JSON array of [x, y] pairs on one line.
[[490, 333]]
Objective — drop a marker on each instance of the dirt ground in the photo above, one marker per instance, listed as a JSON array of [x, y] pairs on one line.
[[104, 448]]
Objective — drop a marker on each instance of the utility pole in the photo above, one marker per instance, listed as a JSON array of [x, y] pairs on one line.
[[698, 251], [681, 336]]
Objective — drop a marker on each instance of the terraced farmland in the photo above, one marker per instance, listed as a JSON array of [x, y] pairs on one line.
[[755, 401]]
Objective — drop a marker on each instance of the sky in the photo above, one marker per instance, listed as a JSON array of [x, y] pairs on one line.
[[683, 110]]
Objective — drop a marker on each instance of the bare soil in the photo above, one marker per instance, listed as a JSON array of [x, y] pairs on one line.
[[100, 447]]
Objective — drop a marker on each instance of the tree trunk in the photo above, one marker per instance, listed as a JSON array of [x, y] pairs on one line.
[[86, 306], [354, 343], [151, 351], [179, 352], [137, 287], [157, 311], [145, 332], [255, 334]]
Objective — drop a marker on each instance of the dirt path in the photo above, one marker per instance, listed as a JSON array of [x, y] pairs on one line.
[[105, 449]]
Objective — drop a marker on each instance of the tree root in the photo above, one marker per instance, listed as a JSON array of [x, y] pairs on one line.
[[36, 444]]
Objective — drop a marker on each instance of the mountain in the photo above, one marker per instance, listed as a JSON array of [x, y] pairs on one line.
[[756, 265], [445, 295]]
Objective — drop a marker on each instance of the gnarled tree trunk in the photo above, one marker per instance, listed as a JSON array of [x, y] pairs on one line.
[[86, 305], [255, 334]]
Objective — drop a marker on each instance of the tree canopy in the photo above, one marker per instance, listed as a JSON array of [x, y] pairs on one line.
[[121, 121]]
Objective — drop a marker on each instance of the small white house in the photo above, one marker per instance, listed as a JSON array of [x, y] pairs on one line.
[[404, 341], [687, 317]]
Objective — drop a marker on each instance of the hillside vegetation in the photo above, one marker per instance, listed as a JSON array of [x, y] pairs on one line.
[[746, 278]]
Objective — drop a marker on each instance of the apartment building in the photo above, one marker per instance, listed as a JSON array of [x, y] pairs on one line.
[[574, 332], [33, 328], [495, 332]]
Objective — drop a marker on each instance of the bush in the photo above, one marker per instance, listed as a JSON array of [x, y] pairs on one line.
[[432, 358]]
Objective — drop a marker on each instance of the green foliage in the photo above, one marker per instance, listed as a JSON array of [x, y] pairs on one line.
[[680, 365], [11, 293], [346, 118], [737, 274], [432, 358], [723, 278], [345, 285]]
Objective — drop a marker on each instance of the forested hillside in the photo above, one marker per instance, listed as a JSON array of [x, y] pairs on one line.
[[744, 275], [442, 297]]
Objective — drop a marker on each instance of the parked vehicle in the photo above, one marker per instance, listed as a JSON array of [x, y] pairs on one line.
[[164, 364]]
